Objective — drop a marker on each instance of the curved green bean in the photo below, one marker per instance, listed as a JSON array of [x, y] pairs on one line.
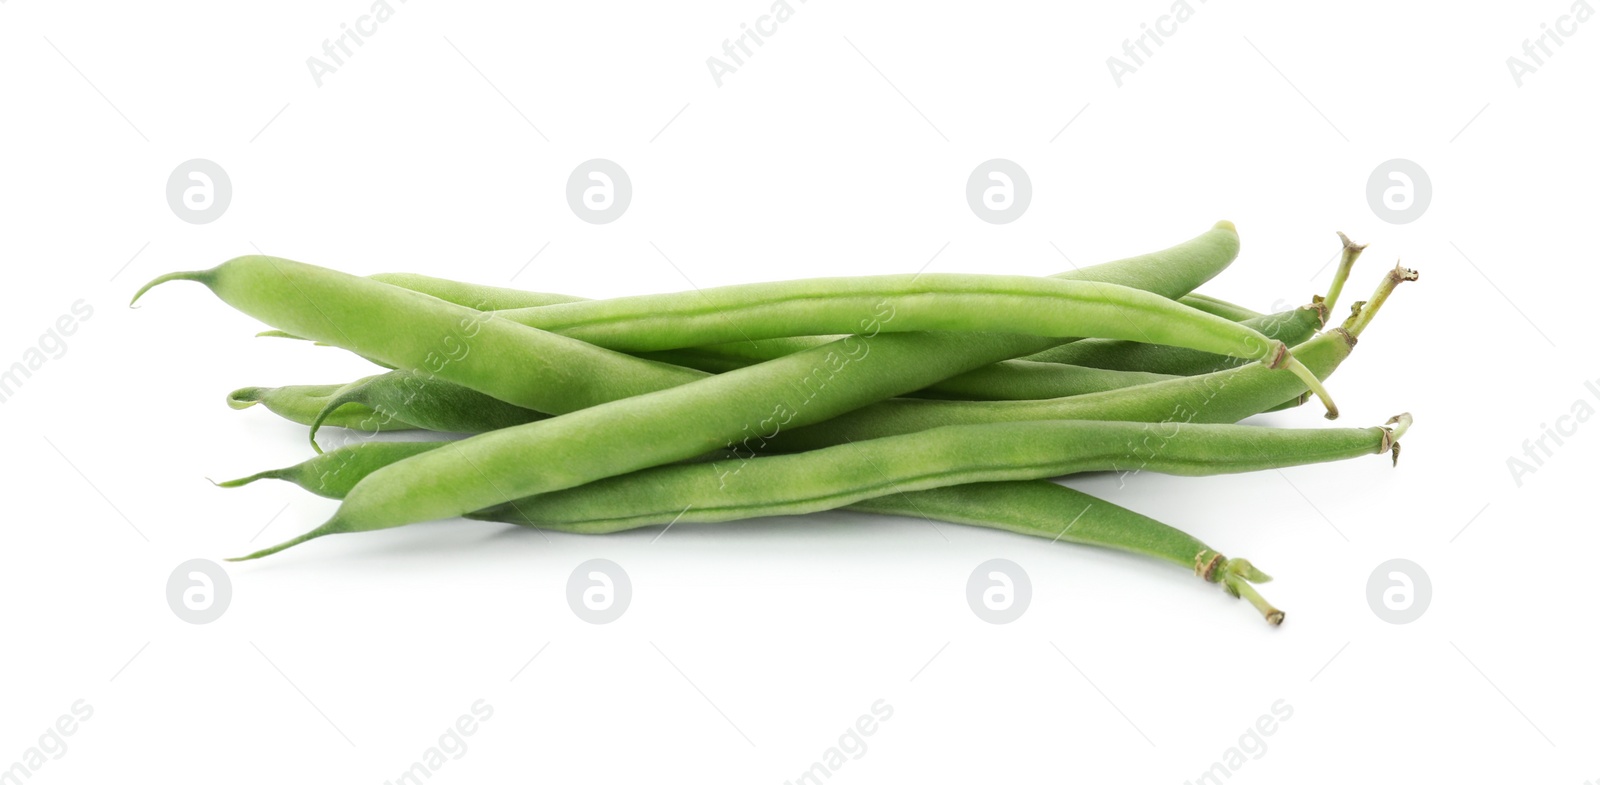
[[953, 455], [1171, 272], [1040, 508], [333, 473], [717, 491], [425, 402], [305, 403], [1293, 327]]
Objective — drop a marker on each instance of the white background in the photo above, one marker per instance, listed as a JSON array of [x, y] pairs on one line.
[[842, 147]]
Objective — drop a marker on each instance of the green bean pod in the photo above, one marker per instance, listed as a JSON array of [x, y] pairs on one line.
[[1293, 327], [1170, 273], [405, 329], [304, 403], [425, 401], [1045, 307], [499, 298], [955, 455], [1040, 508], [333, 473], [825, 479]]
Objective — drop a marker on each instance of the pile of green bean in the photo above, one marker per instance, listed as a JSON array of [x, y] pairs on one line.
[[955, 397]]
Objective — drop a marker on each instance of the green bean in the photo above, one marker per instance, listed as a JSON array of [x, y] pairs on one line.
[[954, 455], [1293, 327], [1170, 273], [548, 373], [896, 474], [333, 473], [498, 298], [1044, 307], [715, 492], [427, 403], [1041, 508], [303, 403]]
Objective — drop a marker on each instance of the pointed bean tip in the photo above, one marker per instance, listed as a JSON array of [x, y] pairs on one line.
[[245, 397], [185, 275], [331, 527], [1227, 225], [240, 482]]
